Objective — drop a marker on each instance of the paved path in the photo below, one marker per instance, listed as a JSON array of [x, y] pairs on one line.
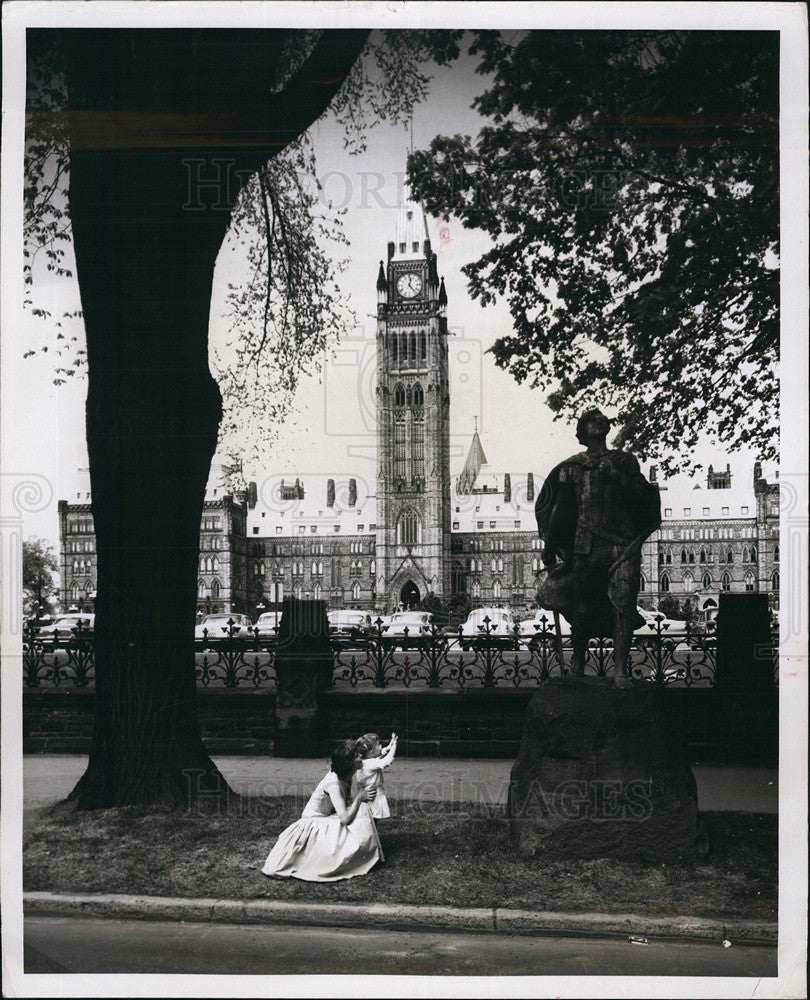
[[49, 778], [91, 945]]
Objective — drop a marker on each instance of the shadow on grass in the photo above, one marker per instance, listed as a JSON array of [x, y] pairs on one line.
[[452, 855]]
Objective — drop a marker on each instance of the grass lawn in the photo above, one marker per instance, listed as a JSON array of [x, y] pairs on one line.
[[456, 855]]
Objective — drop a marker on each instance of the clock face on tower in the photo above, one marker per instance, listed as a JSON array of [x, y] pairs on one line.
[[409, 285]]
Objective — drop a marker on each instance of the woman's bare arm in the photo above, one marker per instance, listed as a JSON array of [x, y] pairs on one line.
[[346, 814]]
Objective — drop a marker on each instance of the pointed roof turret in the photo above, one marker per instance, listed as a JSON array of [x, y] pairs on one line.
[[381, 282], [442, 294], [433, 274], [411, 230], [475, 460]]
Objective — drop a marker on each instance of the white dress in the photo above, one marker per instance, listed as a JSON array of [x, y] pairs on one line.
[[370, 775], [319, 848]]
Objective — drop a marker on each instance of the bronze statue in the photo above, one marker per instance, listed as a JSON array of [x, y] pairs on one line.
[[594, 512]]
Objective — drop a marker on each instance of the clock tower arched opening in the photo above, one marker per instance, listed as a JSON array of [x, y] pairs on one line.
[[409, 596]]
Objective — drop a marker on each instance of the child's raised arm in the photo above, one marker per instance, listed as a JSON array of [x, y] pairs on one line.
[[387, 755]]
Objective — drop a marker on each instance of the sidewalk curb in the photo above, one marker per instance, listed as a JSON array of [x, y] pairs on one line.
[[401, 916]]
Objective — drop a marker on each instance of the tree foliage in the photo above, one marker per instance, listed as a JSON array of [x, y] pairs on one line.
[[39, 586], [629, 182], [287, 301]]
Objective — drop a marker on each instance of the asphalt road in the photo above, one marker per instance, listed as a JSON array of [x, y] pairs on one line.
[[89, 945]]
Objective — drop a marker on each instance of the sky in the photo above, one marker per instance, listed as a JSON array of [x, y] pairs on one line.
[[330, 428]]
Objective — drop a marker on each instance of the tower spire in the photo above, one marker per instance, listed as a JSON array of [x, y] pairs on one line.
[[412, 231]]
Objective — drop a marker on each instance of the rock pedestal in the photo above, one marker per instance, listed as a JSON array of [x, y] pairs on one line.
[[601, 774]]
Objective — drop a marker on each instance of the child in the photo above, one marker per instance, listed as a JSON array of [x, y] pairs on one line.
[[370, 774]]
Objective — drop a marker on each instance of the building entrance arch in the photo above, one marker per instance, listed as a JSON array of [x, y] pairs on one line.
[[409, 595]]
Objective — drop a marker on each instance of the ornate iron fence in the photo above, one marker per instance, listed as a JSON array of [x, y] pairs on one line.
[[59, 659], [493, 658], [522, 657]]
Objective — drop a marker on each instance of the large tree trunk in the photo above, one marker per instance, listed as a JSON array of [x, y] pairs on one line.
[[142, 105], [144, 267]]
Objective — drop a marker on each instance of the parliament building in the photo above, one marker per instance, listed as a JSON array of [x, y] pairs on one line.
[[416, 529]]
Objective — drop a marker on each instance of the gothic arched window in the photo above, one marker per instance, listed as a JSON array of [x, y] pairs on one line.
[[703, 555], [776, 553], [688, 583], [399, 443], [642, 583], [707, 581], [729, 556], [424, 346], [753, 554], [725, 582], [418, 434], [664, 584], [408, 528], [775, 580], [691, 556], [215, 588], [393, 341], [749, 581], [399, 395], [496, 589]]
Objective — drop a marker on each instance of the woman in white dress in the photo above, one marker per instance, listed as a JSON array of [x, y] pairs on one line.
[[332, 840]]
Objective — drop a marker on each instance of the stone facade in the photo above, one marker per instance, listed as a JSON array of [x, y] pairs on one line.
[[714, 539], [223, 568]]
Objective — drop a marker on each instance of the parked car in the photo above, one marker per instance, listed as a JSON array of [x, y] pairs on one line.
[[655, 623], [532, 629], [417, 623], [218, 627], [268, 624], [501, 626], [350, 626], [64, 626]]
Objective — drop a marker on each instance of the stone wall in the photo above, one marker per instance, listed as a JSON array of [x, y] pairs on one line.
[[434, 723], [439, 723], [232, 721]]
